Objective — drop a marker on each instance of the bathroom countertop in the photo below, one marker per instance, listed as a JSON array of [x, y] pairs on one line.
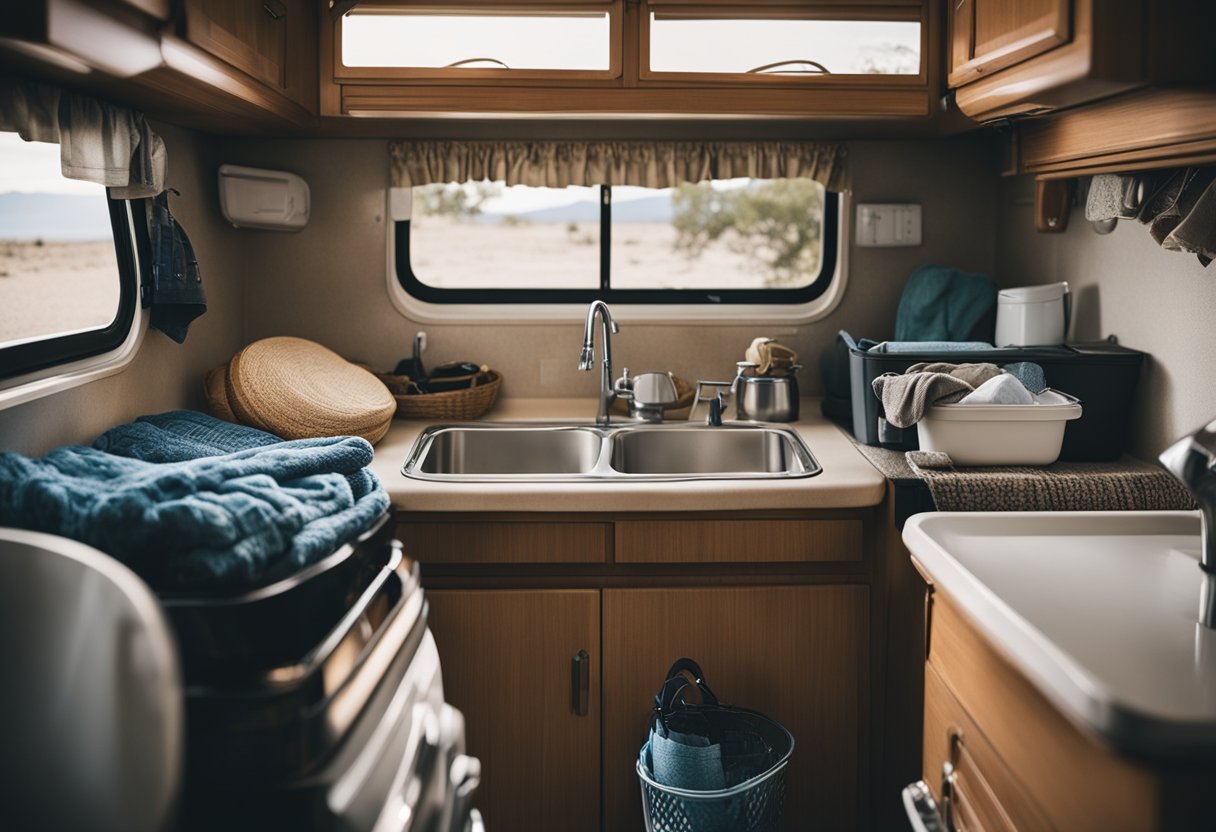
[[848, 480]]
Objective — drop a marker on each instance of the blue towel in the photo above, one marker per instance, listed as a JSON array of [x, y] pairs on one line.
[[190, 502], [943, 304], [1029, 373], [931, 346]]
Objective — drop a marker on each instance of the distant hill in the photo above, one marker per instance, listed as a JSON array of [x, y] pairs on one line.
[[53, 217], [651, 209]]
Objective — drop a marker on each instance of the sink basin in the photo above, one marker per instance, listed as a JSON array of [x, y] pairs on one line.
[[536, 451], [1098, 609], [695, 450], [506, 452]]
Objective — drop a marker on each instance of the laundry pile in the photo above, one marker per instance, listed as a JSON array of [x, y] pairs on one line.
[[905, 398], [192, 502]]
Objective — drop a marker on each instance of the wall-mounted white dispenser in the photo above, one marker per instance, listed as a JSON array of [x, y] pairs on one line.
[[271, 199]]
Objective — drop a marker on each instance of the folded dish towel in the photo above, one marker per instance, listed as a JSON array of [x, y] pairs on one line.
[[1002, 389], [906, 398], [190, 502]]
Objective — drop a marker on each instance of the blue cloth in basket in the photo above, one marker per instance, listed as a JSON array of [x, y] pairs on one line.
[[191, 502]]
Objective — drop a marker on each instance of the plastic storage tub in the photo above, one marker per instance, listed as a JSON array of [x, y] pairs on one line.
[[1102, 375], [1000, 434]]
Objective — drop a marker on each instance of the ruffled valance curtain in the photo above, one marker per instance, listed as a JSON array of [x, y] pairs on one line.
[[98, 142], [645, 164]]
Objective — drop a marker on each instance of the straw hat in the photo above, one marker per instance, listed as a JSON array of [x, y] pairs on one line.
[[215, 393], [296, 388]]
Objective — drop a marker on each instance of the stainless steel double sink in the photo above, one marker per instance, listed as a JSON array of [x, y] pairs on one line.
[[535, 452]]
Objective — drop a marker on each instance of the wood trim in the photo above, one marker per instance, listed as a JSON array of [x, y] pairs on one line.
[[1077, 783], [1052, 205], [737, 541], [608, 103], [505, 542], [1129, 131]]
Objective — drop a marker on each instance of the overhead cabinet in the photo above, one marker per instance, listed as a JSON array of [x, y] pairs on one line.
[[617, 58], [1007, 58]]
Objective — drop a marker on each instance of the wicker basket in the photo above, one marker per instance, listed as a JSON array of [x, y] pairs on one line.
[[457, 405]]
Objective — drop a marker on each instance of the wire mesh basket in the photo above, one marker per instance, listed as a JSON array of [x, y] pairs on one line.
[[754, 805], [715, 768]]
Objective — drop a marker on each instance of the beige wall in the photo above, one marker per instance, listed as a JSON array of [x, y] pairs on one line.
[[327, 282], [163, 375], [1158, 301]]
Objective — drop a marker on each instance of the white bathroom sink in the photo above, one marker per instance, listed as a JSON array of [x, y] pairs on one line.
[[1098, 609]]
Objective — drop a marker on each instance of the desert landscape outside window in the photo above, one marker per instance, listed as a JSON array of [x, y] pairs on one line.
[[59, 270], [756, 236]]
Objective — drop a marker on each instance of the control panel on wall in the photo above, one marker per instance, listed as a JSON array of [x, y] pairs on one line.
[[888, 225]]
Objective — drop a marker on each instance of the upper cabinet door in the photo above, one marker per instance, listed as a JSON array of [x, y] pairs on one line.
[[250, 36], [988, 35]]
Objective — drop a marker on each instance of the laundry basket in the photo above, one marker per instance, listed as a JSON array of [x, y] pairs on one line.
[[739, 753]]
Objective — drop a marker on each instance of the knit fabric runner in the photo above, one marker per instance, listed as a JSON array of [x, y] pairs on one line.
[[1126, 485]]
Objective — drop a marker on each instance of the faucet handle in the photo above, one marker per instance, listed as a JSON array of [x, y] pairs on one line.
[[717, 406]]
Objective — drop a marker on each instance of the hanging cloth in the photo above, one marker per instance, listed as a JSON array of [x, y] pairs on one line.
[[644, 164], [177, 284], [98, 142]]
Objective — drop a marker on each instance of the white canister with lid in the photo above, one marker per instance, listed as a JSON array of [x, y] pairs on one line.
[[1033, 316]]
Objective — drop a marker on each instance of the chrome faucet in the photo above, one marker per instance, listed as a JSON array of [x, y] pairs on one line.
[[586, 358], [1192, 460]]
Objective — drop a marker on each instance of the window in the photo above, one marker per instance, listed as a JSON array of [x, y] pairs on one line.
[[67, 277], [469, 42], [725, 241], [781, 46]]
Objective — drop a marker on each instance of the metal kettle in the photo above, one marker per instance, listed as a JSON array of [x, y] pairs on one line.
[[765, 398]]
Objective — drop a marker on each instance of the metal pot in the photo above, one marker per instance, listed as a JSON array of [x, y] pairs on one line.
[[765, 398]]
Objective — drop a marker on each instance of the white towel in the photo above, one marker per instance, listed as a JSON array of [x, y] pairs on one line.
[[1002, 389]]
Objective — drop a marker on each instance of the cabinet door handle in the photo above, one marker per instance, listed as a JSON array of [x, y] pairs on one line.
[[580, 682], [275, 9]]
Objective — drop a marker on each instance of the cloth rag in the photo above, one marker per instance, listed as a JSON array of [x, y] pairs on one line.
[[905, 398], [190, 502], [943, 304], [1002, 389]]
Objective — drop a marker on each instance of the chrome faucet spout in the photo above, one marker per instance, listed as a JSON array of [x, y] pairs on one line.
[[586, 358], [1192, 460]]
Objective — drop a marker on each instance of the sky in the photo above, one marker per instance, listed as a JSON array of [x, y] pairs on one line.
[[522, 198], [33, 168]]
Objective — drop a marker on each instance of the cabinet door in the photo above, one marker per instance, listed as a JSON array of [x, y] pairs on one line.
[[798, 654], [250, 36], [507, 661], [988, 35]]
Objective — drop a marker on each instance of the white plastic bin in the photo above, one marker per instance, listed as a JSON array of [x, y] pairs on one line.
[[999, 434]]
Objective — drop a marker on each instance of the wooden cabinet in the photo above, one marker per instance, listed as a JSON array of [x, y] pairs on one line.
[[987, 35], [508, 660], [1012, 57], [796, 653], [1019, 764], [272, 41], [783, 609]]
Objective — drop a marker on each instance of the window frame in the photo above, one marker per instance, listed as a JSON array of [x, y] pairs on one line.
[[612, 8], [33, 355], [420, 301]]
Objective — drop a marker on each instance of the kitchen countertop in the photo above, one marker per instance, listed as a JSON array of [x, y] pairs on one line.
[[848, 480]]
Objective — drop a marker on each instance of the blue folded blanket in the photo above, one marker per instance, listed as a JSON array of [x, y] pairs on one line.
[[191, 502]]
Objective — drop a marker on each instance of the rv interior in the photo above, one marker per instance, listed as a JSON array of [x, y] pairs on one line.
[[608, 415]]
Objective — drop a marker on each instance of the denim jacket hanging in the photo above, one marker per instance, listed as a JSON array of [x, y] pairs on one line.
[[177, 284]]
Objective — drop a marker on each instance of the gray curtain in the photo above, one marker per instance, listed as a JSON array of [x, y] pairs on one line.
[[646, 164], [98, 142]]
